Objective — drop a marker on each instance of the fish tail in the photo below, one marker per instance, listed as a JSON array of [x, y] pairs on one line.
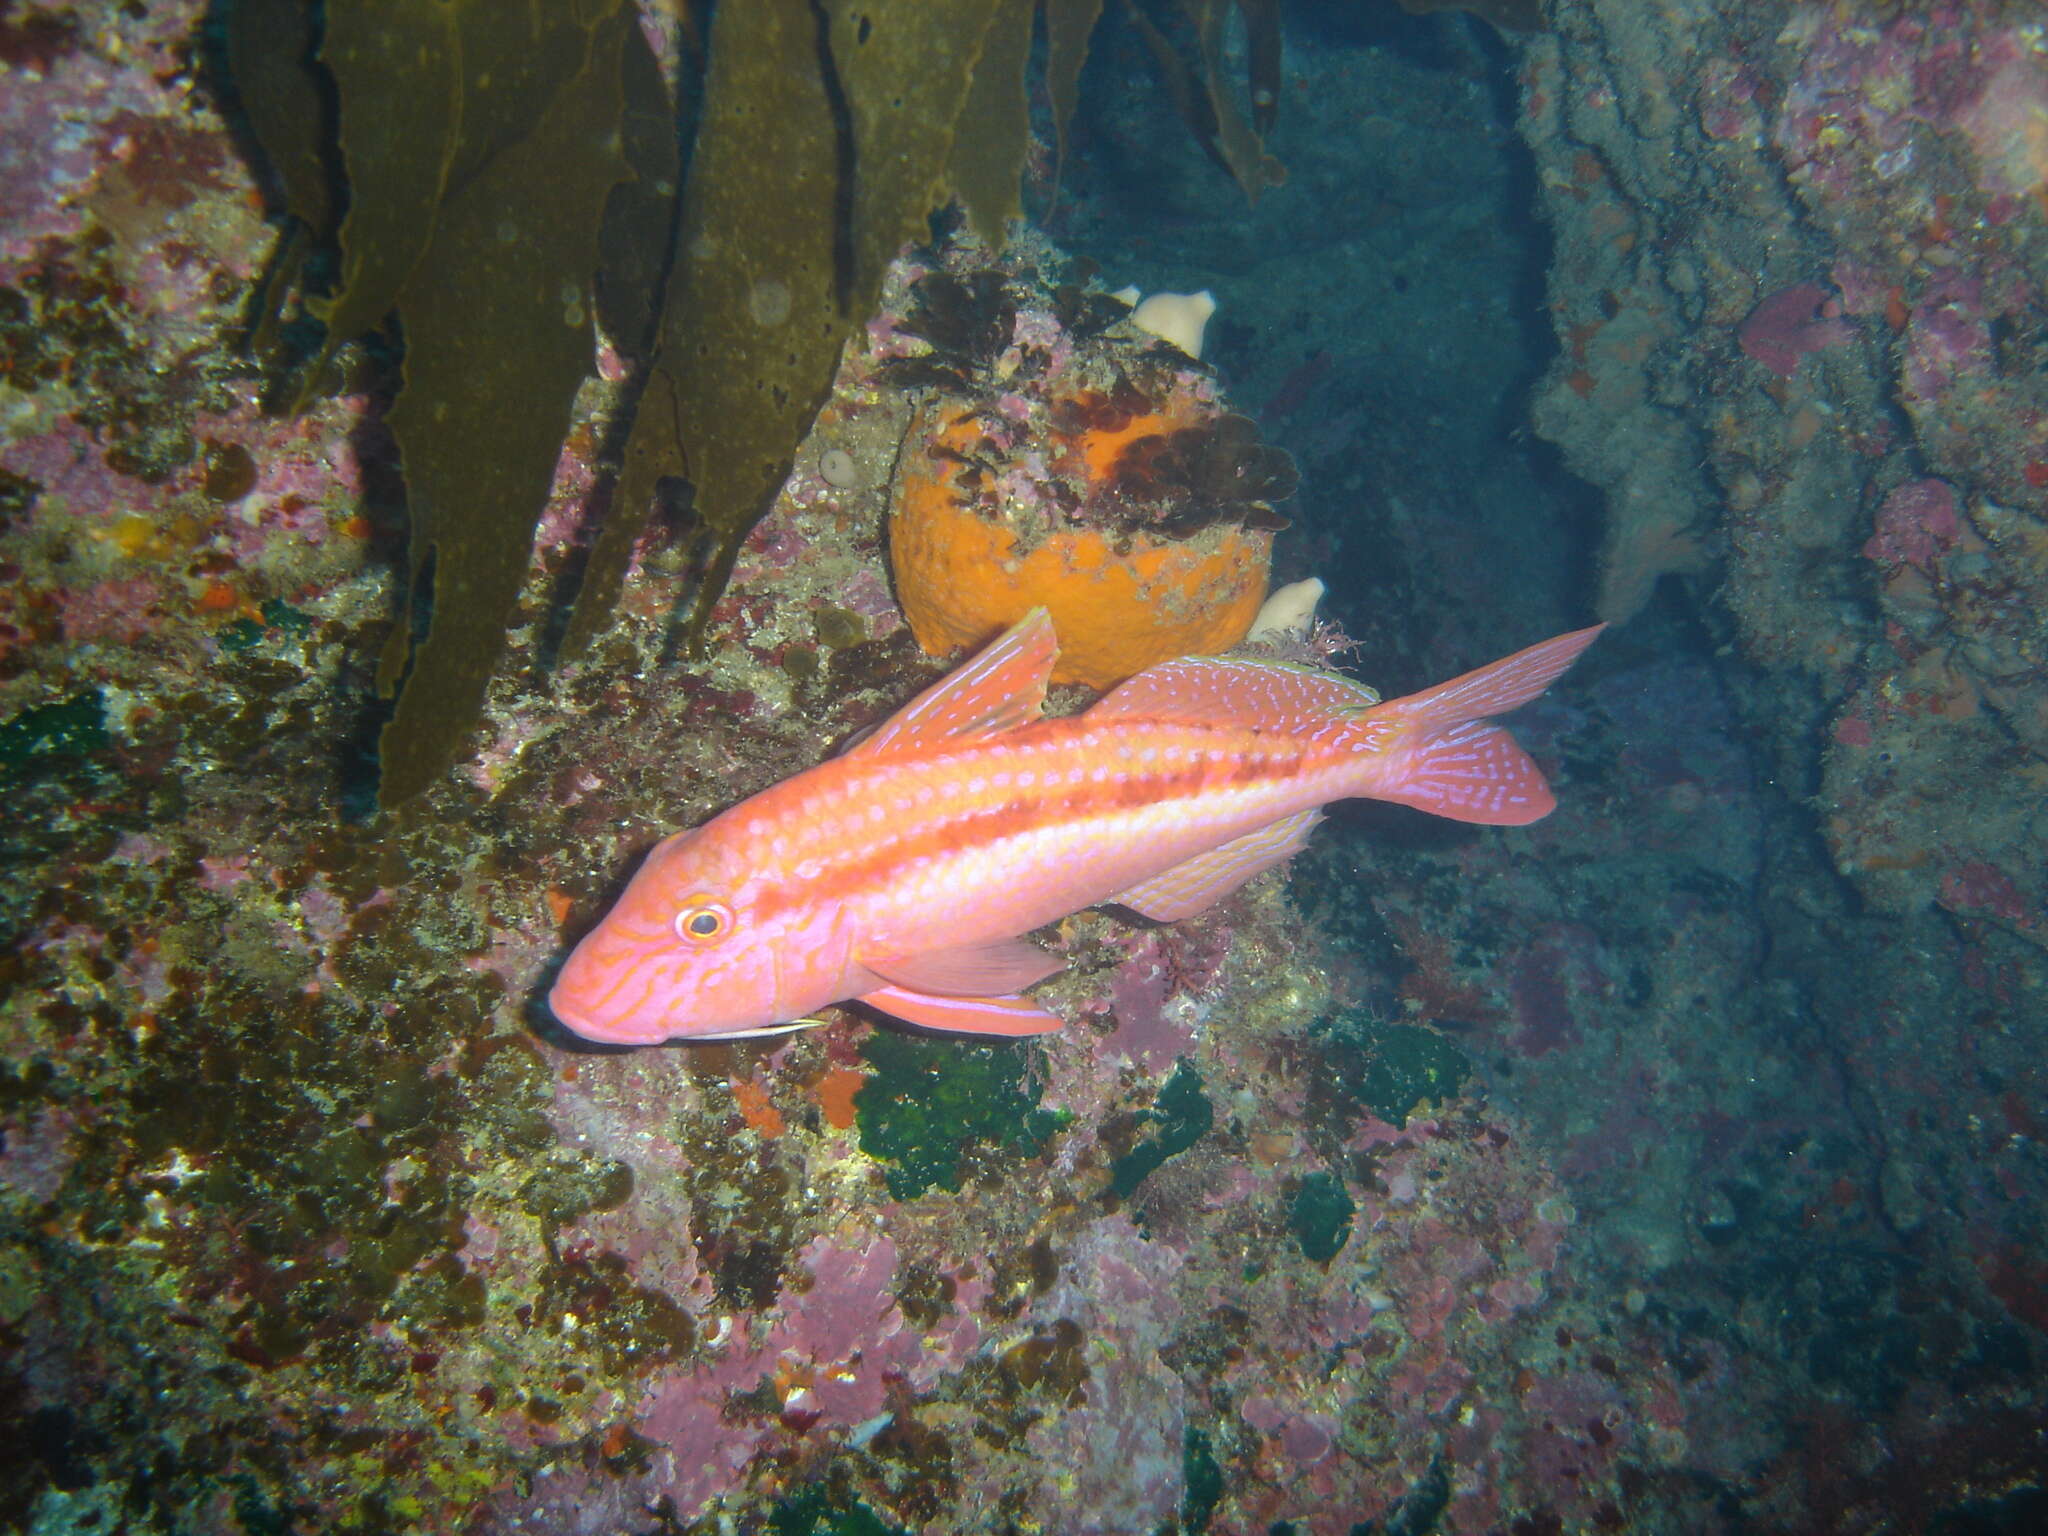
[[1452, 761]]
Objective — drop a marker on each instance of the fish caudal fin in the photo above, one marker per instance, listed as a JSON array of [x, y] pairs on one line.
[[1472, 772], [1453, 763]]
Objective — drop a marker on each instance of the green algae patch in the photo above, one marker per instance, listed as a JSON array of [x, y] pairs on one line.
[[281, 615], [50, 735], [1394, 1069], [815, 1513], [1201, 1481], [1320, 1216], [1178, 1118], [279, 618], [933, 1109]]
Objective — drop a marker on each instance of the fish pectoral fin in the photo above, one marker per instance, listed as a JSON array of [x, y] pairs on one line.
[[974, 970], [1201, 882], [962, 1015]]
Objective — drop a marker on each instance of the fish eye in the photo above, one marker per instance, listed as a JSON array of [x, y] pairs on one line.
[[701, 921]]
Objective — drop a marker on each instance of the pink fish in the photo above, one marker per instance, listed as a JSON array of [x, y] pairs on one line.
[[906, 871]]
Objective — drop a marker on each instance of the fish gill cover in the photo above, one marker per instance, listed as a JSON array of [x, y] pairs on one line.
[[481, 163]]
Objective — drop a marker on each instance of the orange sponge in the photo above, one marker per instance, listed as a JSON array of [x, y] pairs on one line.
[[1120, 598]]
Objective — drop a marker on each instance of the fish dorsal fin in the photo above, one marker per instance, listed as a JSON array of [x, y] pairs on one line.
[[1002, 688], [1215, 690]]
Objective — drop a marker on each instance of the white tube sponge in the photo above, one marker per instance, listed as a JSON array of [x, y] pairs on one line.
[[1290, 610], [1177, 317]]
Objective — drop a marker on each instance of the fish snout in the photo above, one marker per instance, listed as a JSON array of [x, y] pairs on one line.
[[605, 992]]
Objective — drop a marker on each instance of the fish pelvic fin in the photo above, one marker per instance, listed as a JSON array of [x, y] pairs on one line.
[[977, 970], [1442, 755], [759, 1032]]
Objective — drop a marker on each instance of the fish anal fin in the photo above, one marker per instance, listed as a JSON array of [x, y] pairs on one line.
[[1000, 688], [1215, 690], [1199, 883], [976, 970], [962, 1015]]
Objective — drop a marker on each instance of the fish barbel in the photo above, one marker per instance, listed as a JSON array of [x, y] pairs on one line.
[[905, 872]]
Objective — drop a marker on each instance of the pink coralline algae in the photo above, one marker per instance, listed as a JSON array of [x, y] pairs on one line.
[[36, 1153], [1142, 991], [1788, 325], [1977, 887], [831, 1357], [2005, 122], [1864, 289], [1948, 338], [1306, 1438], [1117, 1457], [1578, 1427], [1916, 523], [1863, 91], [1552, 984], [1727, 99], [60, 117], [1453, 1242], [121, 609]]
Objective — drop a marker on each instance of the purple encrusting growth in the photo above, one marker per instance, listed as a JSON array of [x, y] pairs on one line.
[[1788, 325]]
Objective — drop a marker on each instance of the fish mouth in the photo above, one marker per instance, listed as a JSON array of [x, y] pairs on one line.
[[633, 1031], [627, 1032], [589, 1026]]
